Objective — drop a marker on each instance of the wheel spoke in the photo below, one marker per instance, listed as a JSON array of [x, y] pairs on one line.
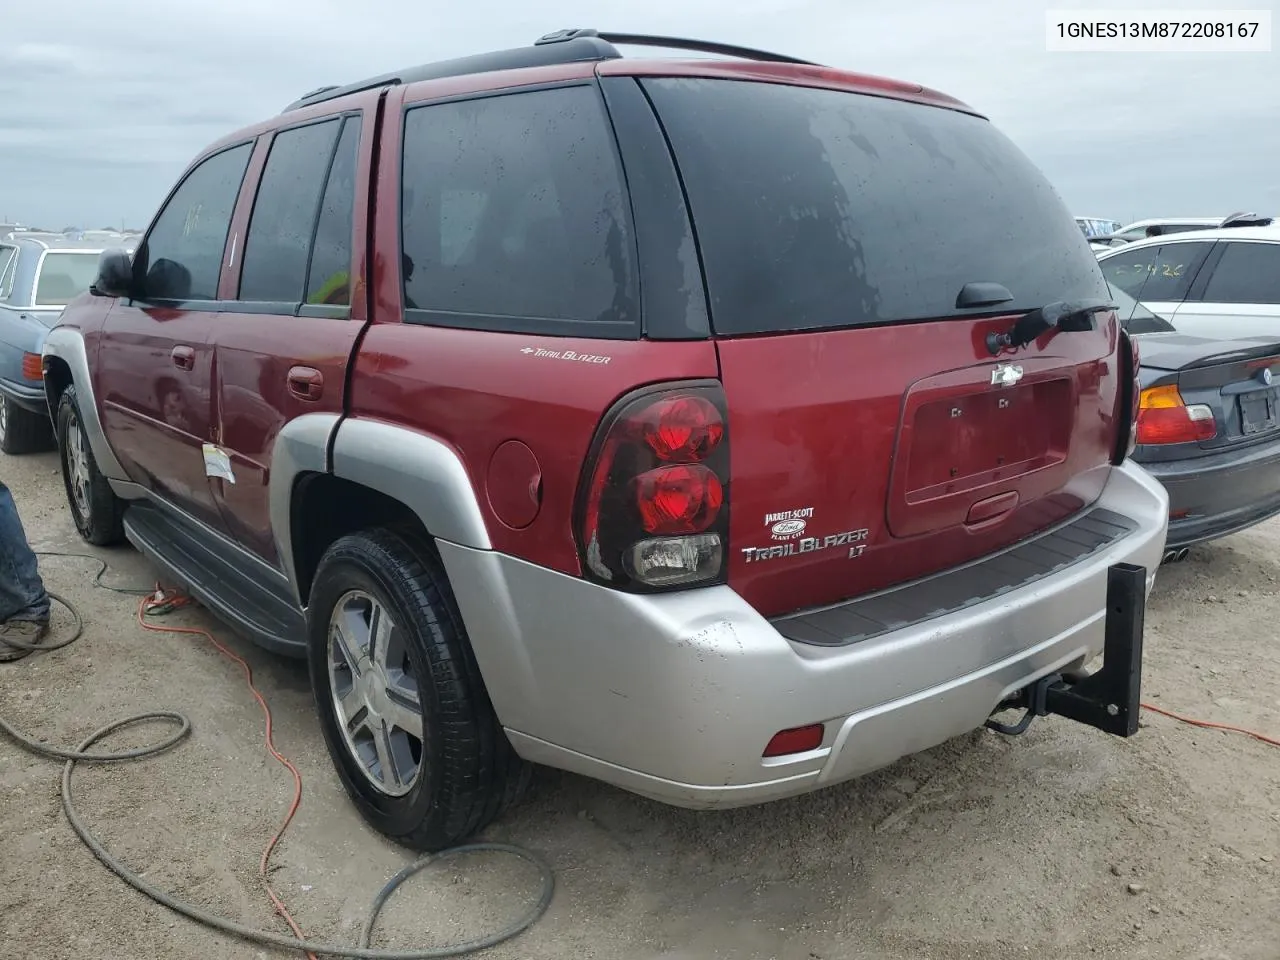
[[380, 627], [402, 716], [352, 708], [386, 756], [346, 646]]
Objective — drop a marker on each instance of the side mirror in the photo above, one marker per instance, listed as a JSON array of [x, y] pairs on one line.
[[115, 274]]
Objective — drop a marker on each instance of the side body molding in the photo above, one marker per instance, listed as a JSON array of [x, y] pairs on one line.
[[421, 472], [67, 344]]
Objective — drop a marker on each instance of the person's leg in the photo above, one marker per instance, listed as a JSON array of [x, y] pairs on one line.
[[24, 602]]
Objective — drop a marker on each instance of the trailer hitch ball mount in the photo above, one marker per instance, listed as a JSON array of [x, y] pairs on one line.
[[1111, 698]]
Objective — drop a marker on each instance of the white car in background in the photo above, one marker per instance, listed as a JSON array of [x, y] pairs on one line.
[[1222, 283], [1138, 229]]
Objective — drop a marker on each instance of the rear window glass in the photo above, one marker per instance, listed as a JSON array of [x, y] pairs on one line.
[[817, 208], [64, 276], [515, 216]]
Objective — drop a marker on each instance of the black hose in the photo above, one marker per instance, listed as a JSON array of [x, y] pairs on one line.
[[81, 754]]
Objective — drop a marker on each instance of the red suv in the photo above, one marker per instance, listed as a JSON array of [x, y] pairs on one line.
[[721, 429]]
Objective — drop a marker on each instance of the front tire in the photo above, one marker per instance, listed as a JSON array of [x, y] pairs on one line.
[[22, 431], [402, 705], [97, 511]]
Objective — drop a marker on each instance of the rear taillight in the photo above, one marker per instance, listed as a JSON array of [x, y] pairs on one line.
[[1136, 392], [653, 508], [1164, 417]]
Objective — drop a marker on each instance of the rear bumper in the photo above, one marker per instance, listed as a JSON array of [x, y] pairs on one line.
[[1223, 494], [675, 696]]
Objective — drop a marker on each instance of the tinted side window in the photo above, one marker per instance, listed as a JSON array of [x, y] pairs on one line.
[[820, 208], [514, 214], [1128, 269], [1171, 272], [278, 242], [1161, 273], [329, 277], [1247, 273], [183, 254]]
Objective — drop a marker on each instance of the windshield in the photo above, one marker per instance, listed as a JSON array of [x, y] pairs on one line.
[[64, 276]]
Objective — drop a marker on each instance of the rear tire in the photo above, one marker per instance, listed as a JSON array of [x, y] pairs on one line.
[[22, 431], [96, 510], [403, 707]]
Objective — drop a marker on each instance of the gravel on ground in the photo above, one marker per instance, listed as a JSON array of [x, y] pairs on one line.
[[1064, 842]]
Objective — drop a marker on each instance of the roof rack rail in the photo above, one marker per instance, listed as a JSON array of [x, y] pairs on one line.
[[562, 46], [672, 43], [574, 50]]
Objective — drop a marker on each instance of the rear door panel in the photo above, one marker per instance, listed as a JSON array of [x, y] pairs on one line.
[[284, 344]]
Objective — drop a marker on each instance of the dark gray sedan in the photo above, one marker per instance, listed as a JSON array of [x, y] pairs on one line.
[[1208, 426]]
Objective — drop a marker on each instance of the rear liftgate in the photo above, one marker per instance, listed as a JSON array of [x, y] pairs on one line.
[[1111, 698]]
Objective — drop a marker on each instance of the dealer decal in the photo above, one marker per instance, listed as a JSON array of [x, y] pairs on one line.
[[788, 524]]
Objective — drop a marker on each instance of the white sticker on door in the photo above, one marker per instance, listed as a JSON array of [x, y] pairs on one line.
[[217, 463]]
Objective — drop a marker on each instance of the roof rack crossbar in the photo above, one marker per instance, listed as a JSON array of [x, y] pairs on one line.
[[574, 50], [672, 43]]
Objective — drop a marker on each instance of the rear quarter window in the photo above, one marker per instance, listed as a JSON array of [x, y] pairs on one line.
[[515, 217], [8, 259], [820, 209]]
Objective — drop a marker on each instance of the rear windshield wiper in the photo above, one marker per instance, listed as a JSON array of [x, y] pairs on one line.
[[1068, 316]]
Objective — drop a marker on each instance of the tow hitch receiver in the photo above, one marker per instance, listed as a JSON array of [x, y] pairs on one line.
[[1109, 699]]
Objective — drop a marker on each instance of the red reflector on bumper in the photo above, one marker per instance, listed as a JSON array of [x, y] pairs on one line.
[[795, 740]]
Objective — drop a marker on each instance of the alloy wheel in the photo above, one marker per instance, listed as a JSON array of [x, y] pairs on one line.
[[78, 468], [376, 698]]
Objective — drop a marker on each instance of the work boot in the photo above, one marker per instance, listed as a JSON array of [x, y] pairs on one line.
[[24, 634]]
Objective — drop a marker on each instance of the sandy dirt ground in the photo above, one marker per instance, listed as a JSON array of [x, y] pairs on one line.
[[1062, 843]]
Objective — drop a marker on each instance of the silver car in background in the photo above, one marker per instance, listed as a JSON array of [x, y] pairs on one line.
[[39, 275]]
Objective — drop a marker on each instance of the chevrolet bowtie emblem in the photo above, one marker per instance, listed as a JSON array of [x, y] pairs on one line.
[[1005, 375]]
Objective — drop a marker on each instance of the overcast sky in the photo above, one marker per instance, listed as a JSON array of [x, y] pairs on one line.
[[103, 104]]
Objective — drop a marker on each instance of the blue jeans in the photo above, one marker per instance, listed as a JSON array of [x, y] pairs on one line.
[[22, 593]]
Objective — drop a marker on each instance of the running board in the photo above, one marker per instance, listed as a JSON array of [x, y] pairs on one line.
[[1109, 700], [210, 570]]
